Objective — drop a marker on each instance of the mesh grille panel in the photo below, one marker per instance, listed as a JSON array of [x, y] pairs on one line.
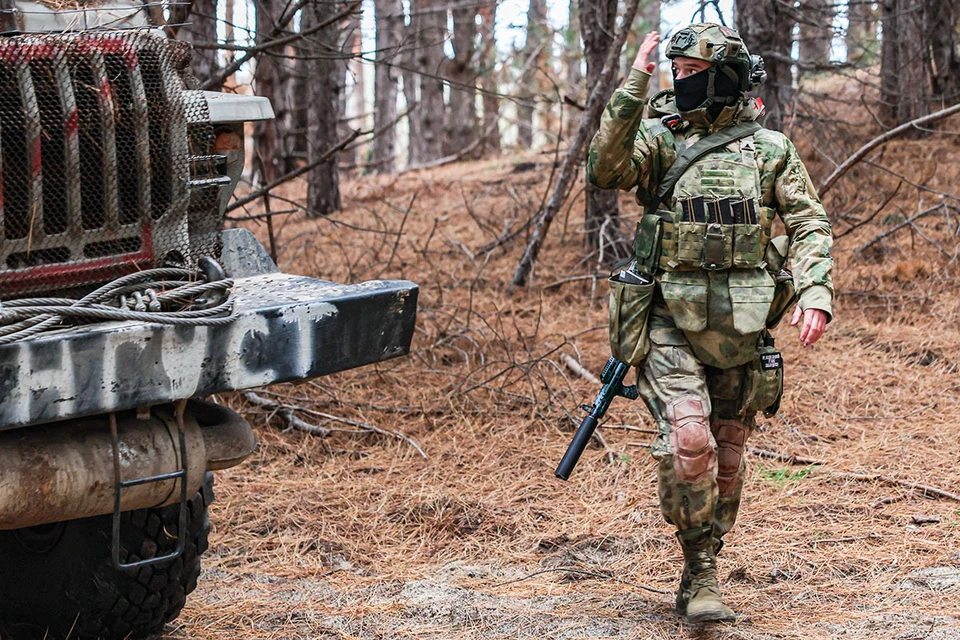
[[106, 161]]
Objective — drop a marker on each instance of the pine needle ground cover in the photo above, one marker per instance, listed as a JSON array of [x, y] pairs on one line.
[[851, 521]]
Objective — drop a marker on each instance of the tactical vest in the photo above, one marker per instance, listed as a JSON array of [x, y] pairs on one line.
[[709, 253], [718, 221]]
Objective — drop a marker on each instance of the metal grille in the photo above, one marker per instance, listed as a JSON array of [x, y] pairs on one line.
[[106, 161]]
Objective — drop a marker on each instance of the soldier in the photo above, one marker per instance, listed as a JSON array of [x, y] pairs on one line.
[[700, 336]]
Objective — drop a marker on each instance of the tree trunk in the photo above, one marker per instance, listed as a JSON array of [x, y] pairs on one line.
[[389, 32], [488, 78], [816, 30], [767, 29], [573, 68], [298, 94], [532, 58], [573, 53], [904, 67], [597, 23], [228, 29], [432, 33], [355, 110], [416, 152], [861, 37], [269, 79], [326, 81], [461, 70], [201, 27], [942, 19]]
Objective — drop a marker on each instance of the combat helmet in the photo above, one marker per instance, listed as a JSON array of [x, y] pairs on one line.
[[723, 48]]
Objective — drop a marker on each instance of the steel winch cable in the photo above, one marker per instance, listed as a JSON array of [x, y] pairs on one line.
[[167, 295]]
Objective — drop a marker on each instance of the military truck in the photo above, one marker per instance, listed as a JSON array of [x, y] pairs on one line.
[[123, 304]]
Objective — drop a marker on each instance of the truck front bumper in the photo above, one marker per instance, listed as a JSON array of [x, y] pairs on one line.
[[286, 328]]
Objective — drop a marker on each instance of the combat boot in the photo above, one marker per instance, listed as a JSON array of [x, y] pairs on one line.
[[699, 599], [683, 593]]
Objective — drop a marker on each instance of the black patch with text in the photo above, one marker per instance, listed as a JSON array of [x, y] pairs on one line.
[[771, 361]]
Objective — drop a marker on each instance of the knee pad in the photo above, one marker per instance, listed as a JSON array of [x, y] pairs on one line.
[[694, 449], [731, 438]]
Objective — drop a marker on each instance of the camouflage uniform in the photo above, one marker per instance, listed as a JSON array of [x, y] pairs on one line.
[[705, 323]]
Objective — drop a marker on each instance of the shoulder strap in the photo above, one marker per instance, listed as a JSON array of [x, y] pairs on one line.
[[697, 150]]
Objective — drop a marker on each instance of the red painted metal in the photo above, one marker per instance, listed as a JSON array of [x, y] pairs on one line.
[[78, 270]]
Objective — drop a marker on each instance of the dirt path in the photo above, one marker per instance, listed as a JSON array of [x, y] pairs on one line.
[[455, 603]]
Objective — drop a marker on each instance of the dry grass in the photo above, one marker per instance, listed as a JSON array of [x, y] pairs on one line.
[[362, 538]]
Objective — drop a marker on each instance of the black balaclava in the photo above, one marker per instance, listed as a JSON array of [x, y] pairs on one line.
[[691, 92]]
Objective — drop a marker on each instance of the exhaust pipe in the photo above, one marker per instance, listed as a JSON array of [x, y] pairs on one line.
[[65, 470]]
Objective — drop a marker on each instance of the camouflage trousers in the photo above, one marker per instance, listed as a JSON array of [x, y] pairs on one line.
[[702, 429]]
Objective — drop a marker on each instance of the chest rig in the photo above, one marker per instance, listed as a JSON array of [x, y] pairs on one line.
[[716, 221]]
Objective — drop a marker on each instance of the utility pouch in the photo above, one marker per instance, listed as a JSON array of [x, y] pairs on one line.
[[763, 383], [785, 292], [690, 243], [751, 295], [784, 297], [631, 296], [775, 255], [766, 217], [685, 294], [717, 248], [646, 244], [746, 246]]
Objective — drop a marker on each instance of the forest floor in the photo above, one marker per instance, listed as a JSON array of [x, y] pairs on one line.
[[362, 537]]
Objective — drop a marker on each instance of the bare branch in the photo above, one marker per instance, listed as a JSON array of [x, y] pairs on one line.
[[881, 139], [595, 103]]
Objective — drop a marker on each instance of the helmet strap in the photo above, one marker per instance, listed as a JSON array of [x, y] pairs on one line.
[[730, 73], [711, 88]]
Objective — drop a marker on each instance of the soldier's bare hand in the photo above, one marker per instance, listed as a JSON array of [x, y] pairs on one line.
[[647, 47], [814, 324]]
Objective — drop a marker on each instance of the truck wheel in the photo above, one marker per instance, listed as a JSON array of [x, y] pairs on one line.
[[58, 580]]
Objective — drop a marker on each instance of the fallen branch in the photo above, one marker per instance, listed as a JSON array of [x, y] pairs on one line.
[[874, 477], [892, 499], [627, 427], [578, 369], [598, 97], [288, 414], [871, 536], [601, 576], [906, 223], [783, 457], [559, 283], [885, 137]]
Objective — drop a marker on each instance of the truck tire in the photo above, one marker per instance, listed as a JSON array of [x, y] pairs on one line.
[[58, 580]]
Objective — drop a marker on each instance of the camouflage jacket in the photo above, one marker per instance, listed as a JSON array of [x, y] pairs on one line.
[[632, 152]]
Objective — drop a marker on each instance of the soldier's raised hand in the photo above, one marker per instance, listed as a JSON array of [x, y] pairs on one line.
[[648, 46]]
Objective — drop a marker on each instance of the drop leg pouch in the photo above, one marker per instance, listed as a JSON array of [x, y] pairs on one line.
[[629, 312], [763, 381]]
